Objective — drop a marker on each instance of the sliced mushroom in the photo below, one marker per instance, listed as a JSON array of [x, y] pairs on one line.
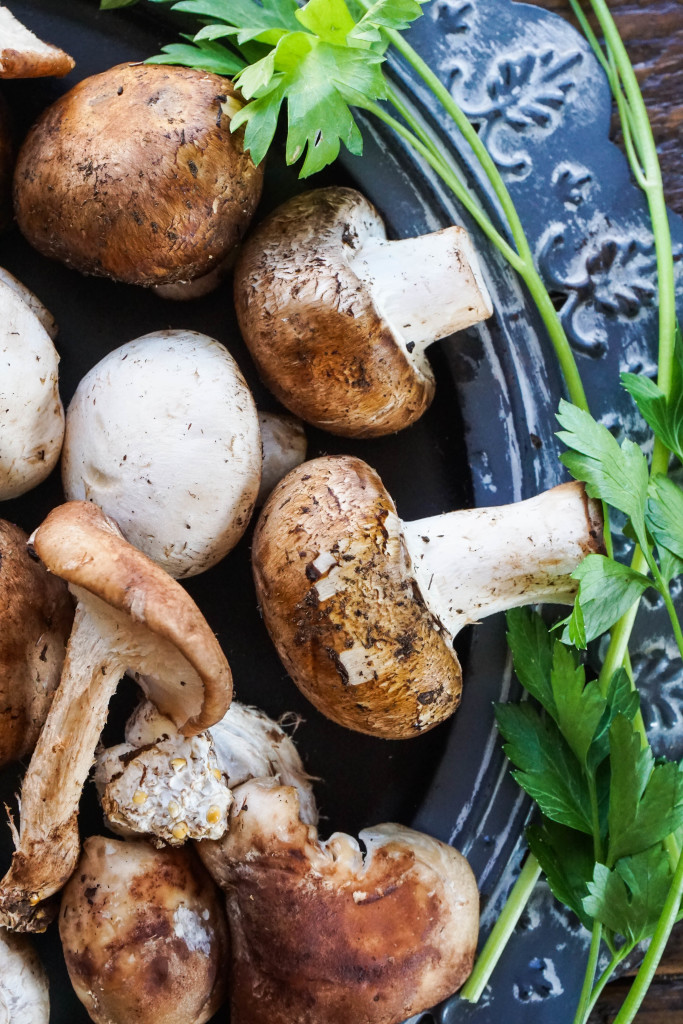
[[337, 317], [363, 608], [323, 934], [172, 788], [24, 991], [130, 617], [24, 55], [134, 174], [33, 416], [37, 613], [163, 434], [144, 935]]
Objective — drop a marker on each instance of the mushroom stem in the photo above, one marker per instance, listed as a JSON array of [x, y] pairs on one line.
[[473, 563], [426, 287], [48, 843]]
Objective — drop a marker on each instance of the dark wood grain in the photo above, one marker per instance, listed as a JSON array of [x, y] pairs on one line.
[[653, 32]]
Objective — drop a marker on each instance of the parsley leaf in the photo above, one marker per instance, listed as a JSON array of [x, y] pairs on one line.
[[112, 5], [645, 800], [629, 899], [567, 858], [607, 589], [580, 706], [393, 14], [206, 55], [548, 770], [665, 418], [531, 645], [665, 514], [616, 474]]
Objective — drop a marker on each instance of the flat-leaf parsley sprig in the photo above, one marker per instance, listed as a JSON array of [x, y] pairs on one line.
[[608, 812]]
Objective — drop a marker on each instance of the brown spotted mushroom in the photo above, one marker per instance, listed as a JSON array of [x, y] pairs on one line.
[[135, 175], [337, 317], [363, 607], [131, 617], [144, 935], [323, 933]]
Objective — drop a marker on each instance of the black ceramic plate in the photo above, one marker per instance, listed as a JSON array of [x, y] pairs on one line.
[[487, 439]]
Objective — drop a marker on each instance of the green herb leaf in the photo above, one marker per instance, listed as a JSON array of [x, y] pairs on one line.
[[607, 589], [616, 474], [664, 416], [629, 899], [206, 55], [580, 707], [532, 653], [549, 771], [665, 514], [622, 699], [112, 5], [392, 14], [645, 801], [245, 20], [566, 857], [330, 20]]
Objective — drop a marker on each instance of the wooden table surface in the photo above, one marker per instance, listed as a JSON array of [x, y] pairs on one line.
[[653, 31]]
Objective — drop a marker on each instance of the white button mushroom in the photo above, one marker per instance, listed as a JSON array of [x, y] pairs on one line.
[[283, 445], [31, 411], [144, 935], [131, 617], [24, 992], [24, 55], [322, 933], [337, 317], [163, 435], [363, 609]]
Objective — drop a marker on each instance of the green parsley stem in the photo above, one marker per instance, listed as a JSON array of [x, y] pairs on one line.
[[502, 930], [617, 957], [651, 960], [589, 976]]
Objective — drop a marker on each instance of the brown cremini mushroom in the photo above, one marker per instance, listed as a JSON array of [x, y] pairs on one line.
[[36, 613], [24, 55], [135, 175], [323, 934], [363, 608], [144, 935], [337, 317], [131, 617]]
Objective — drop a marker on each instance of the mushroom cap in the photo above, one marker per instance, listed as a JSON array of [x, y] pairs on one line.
[[36, 610], [163, 434], [24, 55], [323, 934], [320, 343], [33, 416], [134, 174], [335, 586], [32, 301], [24, 993], [78, 542], [144, 935]]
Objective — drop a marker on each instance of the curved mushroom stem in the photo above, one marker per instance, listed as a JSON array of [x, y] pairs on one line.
[[473, 563], [426, 287]]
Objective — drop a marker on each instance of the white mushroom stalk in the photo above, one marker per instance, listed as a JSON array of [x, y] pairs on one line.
[[174, 788], [323, 932], [130, 617], [363, 608], [32, 412], [163, 435], [474, 563], [425, 287], [24, 992]]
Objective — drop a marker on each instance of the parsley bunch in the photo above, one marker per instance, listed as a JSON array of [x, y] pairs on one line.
[[610, 817]]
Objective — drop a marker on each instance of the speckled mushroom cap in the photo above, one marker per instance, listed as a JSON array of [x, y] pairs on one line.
[[324, 934], [24, 55], [338, 597], [134, 174], [144, 935], [317, 338], [36, 612], [79, 543]]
